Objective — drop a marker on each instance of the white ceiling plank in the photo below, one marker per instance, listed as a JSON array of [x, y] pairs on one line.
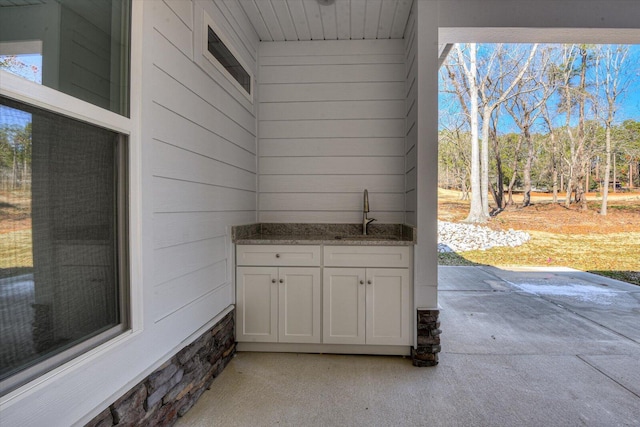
[[299, 19], [357, 19], [250, 8], [284, 18], [343, 22], [270, 20], [312, 9], [244, 25], [387, 13], [400, 20], [371, 18], [329, 25]]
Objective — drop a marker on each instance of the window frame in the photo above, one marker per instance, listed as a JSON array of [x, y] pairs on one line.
[[129, 242], [203, 52]]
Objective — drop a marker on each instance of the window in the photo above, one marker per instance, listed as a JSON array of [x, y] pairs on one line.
[[64, 272], [77, 47], [218, 51]]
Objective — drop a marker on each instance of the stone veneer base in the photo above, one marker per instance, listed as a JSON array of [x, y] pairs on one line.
[[426, 353], [172, 389]]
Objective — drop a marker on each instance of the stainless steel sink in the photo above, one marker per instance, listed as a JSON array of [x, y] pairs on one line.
[[365, 237]]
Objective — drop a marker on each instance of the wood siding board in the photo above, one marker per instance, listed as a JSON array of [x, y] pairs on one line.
[[411, 138], [167, 23], [285, 20], [172, 94], [172, 128], [299, 17], [330, 217], [358, 91], [312, 10], [372, 18], [331, 183], [411, 180], [305, 147], [176, 163], [198, 311], [216, 93], [343, 20], [183, 10], [383, 128], [172, 229], [177, 261], [332, 110], [332, 165], [270, 19], [388, 202], [279, 61], [411, 159], [253, 13], [176, 293], [332, 73], [170, 195]]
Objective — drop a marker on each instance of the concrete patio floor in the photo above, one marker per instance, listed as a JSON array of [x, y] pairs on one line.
[[525, 347]]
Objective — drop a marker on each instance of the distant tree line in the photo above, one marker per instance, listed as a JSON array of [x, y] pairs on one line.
[[536, 117], [15, 157]]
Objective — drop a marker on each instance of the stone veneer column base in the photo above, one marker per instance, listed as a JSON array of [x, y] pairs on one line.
[[426, 354], [172, 389]]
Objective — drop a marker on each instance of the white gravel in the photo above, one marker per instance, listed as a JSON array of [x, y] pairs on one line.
[[457, 237]]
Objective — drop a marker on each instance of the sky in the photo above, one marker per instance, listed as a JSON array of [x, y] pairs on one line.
[[628, 107]]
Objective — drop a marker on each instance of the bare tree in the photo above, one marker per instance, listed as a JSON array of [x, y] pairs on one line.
[[611, 80]]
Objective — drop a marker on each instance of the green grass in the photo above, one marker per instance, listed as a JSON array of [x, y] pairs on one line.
[[16, 253]]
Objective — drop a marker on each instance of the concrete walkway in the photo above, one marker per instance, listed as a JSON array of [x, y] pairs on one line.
[[527, 347]]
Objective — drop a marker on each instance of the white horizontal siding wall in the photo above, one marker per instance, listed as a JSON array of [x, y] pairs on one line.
[[411, 108], [331, 124], [201, 139]]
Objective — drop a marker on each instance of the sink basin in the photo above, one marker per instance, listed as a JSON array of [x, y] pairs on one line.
[[365, 237]]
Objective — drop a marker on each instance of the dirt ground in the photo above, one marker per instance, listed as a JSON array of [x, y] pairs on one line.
[[560, 236]]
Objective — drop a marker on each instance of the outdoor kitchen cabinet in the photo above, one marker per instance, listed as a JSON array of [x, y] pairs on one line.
[[364, 304], [278, 303]]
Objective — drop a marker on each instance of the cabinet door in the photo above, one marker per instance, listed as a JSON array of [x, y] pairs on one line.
[[299, 305], [388, 306], [343, 320], [257, 304]]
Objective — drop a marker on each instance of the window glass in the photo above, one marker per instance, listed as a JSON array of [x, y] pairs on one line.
[[84, 47], [61, 224], [217, 48]]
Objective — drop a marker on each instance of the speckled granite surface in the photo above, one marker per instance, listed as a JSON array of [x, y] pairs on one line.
[[327, 234]]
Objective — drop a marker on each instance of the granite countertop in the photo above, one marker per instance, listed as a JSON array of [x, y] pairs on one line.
[[323, 234]]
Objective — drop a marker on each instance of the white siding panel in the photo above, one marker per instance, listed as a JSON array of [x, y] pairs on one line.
[[330, 217], [332, 73], [332, 123], [285, 20], [343, 19], [332, 110], [387, 13], [258, 23], [240, 22], [186, 227], [179, 292], [332, 91], [357, 18], [372, 18], [329, 183], [182, 196], [183, 9], [400, 19], [299, 19], [305, 147], [332, 165], [172, 128], [173, 28], [382, 128], [312, 10], [410, 109], [174, 96], [269, 16], [176, 163], [330, 202], [329, 23], [176, 261], [411, 180]]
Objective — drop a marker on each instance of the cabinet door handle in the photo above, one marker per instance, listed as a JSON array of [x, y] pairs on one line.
[[277, 255], [273, 280], [281, 280], [362, 282], [368, 282]]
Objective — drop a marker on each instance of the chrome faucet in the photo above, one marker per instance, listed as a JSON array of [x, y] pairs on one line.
[[366, 221]]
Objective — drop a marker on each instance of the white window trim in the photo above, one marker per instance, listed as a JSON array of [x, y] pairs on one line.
[[20, 89], [26, 47], [202, 52]]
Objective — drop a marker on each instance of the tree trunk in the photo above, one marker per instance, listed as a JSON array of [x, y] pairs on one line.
[[526, 172], [607, 169]]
